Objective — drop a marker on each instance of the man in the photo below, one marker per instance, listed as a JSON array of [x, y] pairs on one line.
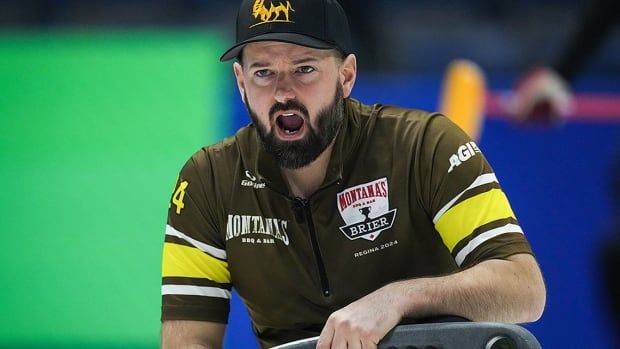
[[332, 217]]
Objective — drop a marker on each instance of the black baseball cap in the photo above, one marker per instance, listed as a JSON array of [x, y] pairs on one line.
[[320, 24]]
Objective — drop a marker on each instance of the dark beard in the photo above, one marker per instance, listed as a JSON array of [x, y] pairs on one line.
[[297, 154]]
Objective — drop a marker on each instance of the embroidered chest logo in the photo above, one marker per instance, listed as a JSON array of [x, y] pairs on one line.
[[252, 181], [272, 14], [366, 210], [269, 228]]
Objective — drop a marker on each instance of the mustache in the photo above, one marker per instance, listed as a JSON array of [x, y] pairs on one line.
[[291, 104]]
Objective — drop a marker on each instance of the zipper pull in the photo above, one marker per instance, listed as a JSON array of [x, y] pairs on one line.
[[299, 206]]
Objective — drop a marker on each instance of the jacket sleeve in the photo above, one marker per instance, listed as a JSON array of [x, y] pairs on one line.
[[463, 196], [196, 282]]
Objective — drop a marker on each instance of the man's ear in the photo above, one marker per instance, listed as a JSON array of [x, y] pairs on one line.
[[348, 74], [238, 69]]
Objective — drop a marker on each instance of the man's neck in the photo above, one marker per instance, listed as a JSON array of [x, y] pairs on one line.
[[304, 181]]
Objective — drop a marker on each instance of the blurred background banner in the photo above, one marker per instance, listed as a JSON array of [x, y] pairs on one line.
[[94, 127], [102, 102]]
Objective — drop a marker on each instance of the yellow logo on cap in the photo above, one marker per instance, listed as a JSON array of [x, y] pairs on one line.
[[273, 14]]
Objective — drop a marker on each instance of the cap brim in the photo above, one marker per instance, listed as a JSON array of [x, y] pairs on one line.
[[291, 38]]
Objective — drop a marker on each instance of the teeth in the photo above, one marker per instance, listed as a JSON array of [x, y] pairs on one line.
[[288, 132], [288, 114]]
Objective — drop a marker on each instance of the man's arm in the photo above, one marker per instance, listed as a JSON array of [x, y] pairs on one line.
[[510, 290], [191, 334]]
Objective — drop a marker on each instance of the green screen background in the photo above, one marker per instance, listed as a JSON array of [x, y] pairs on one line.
[[94, 127]]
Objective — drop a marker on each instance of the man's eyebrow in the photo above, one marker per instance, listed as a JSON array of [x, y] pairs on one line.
[[264, 64], [259, 64], [305, 60]]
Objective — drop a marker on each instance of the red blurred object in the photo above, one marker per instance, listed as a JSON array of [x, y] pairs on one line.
[[585, 107]]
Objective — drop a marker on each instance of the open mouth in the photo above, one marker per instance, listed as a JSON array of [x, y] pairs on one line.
[[290, 123]]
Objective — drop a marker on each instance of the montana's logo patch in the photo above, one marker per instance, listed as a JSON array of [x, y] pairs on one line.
[[365, 209]]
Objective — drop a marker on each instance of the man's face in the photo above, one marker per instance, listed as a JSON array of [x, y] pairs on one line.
[[294, 154], [295, 98]]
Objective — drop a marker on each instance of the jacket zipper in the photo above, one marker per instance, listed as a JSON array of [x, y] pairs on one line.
[[303, 209]]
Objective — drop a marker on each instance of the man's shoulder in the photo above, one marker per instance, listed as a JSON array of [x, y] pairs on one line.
[[407, 115], [227, 144], [396, 122], [225, 152], [391, 113]]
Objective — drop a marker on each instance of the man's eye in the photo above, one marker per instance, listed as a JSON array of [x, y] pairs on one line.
[[305, 69], [262, 73]]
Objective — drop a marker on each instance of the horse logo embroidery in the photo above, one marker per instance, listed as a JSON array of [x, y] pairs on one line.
[[278, 13]]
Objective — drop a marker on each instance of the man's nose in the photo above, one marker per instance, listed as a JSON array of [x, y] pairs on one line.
[[284, 90]]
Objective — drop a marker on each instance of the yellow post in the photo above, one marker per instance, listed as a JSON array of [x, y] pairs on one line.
[[463, 96]]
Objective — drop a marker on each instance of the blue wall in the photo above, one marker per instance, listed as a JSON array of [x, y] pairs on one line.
[[557, 180]]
